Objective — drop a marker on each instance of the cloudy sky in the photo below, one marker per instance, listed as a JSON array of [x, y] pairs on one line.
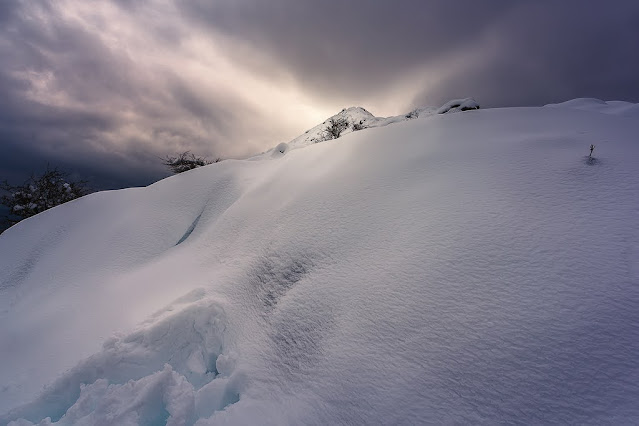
[[104, 88]]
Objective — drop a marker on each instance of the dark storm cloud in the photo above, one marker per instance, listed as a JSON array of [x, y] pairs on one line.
[[348, 48], [539, 54], [7, 9], [72, 100], [34, 133], [540, 51], [104, 89]]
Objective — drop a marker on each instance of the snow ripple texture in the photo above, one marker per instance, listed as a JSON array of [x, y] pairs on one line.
[[469, 268]]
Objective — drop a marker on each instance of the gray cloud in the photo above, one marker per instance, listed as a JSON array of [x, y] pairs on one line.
[[524, 52], [347, 49], [73, 100], [104, 89], [539, 54]]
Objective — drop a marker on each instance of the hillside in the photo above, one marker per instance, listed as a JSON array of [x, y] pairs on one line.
[[474, 268], [358, 118]]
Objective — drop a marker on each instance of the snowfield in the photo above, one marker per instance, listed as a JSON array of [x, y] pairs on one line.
[[467, 268]]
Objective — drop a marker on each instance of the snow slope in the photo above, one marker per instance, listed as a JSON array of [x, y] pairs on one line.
[[605, 107], [460, 268], [359, 117]]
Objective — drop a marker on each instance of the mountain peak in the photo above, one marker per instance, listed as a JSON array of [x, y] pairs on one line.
[[357, 118]]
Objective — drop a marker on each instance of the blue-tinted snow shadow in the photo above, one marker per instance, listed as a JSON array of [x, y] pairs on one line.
[[591, 161]]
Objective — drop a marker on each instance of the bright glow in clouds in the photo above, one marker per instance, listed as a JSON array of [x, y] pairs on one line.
[[200, 60], [105, 88]]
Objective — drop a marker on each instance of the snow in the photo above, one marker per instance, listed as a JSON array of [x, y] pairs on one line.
[[605, 107], [358, 116], [452, 268], [280, 149], [458, 105]]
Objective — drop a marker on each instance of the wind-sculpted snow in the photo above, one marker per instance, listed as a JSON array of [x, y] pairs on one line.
[[472, 268], [610, 107], [157, 374]]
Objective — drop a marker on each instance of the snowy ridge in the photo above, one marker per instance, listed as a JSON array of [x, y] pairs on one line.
[[606, 107], [358, 118], [473, 268]]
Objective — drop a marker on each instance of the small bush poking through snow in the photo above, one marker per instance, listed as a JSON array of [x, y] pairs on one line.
[[413, 114], [358, 126], [336, 125], [39, 193], [186, 161]]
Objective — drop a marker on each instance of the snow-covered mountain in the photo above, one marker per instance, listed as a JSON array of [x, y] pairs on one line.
[[471, 268], [358, 118]]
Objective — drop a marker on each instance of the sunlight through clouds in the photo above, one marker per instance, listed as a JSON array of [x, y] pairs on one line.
[[120, 83]]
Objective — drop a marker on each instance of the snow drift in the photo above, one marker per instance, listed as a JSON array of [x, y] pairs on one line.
[[460, 268]]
